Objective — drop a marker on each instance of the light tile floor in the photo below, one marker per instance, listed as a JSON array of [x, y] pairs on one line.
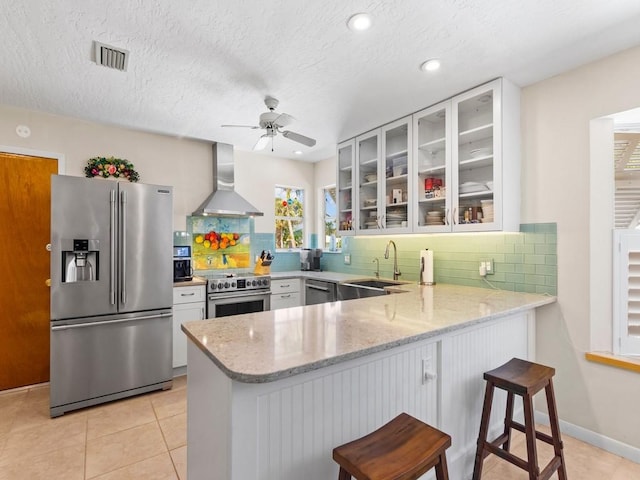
[[583, 461], [145, 438]]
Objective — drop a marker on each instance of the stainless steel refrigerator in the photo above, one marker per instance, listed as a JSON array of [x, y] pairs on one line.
[[111, 291]]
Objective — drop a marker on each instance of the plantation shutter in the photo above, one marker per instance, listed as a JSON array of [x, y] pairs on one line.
[[626, 281]]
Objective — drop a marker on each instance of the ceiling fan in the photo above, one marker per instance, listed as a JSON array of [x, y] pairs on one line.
[[273, 123]]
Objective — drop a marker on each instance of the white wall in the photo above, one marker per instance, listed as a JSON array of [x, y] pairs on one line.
[[556, 122], [182, 163]]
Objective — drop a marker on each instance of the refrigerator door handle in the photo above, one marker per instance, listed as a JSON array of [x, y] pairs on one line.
[[108, 322], [112, 249], [123, 247]]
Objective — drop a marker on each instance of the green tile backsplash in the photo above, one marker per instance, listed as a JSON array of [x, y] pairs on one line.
[[523, 262]]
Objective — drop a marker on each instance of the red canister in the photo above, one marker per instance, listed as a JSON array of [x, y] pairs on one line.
[[428, 184]]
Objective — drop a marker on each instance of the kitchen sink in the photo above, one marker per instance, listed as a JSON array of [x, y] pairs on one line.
[[376, 283], [365, 288]]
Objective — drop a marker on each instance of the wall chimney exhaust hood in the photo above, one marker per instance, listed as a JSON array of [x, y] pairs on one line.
[[224, 201]]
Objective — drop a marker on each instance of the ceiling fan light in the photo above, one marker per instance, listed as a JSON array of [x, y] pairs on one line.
[[298, 152], [430, 65], [359, 22], [262, 142]]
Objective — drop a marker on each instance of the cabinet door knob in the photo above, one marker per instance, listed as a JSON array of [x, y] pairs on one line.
[[47, 282]]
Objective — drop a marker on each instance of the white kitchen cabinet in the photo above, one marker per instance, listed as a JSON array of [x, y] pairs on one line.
[[383, 161], [396, 168], [285, 293], [462, 167], [467, 160], [345, 188], [432, 166], [189, 303], [368, 215]]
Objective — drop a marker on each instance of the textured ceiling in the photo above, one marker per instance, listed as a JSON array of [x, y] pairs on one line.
[[197, 64]]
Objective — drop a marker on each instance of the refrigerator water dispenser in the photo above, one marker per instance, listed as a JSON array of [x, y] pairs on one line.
[[80, 260]]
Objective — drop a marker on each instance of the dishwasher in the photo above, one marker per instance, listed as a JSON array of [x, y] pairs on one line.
[[318, 291]]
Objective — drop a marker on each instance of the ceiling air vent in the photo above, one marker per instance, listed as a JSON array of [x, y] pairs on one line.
[[111, 57]]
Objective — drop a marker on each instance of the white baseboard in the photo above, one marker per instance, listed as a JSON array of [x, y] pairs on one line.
[[597, 440]]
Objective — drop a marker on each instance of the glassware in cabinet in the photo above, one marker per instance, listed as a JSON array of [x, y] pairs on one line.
[[345, 177]]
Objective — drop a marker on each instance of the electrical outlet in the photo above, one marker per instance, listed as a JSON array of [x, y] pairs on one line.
[[347, 259], [488, 266], [428, 372]]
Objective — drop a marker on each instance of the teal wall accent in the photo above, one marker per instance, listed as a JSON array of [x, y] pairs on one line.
[[523, 262]]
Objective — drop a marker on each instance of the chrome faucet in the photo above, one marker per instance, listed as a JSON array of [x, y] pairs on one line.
[[396, 272], [377, 272]]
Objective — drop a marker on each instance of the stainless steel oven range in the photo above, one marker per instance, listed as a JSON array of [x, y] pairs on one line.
[[233, 294]]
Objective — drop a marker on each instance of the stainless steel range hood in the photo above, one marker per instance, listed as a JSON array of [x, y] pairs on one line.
[[224, 201]]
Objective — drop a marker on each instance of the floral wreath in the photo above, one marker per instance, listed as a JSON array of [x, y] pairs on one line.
[[111, 167]]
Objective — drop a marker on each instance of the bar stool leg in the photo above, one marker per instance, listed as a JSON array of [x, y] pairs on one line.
[[555, 430], [442, 472], [508, 420], [484, 428], [530, 432], [343, 474]]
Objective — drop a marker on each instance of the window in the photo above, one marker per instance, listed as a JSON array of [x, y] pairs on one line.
[[330, 221], [289, 213]]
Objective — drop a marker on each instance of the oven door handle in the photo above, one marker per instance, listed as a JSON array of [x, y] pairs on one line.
[[242, 295]]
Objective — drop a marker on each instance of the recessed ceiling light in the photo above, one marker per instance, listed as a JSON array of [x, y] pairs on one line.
[[430, 65], [359, 22], [298, 152]]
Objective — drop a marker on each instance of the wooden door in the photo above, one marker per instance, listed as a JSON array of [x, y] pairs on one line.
[[25, 211]]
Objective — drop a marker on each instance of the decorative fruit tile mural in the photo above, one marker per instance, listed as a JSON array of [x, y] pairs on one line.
[[220, 242]]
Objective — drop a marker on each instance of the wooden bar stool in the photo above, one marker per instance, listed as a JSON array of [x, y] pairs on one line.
[[402, 449], [519, 377]]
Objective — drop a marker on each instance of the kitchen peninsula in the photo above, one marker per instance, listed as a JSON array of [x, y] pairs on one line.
[[271, 393]]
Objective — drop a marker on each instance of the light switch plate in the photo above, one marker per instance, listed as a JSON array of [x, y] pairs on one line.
[[347, 259]]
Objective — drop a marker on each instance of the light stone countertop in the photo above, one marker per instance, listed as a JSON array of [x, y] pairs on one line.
[[195, 281], [267, 346]]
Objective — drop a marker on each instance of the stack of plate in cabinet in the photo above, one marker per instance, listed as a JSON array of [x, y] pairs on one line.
[[396, 217], [372, 220], [487, 211], [435, 217]]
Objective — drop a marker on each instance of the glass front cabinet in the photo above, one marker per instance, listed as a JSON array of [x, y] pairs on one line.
[[368, 215], [432, 199], [467, 162], [345, 188], [452, 167], [476, 158], [395, 172], [485, 157]]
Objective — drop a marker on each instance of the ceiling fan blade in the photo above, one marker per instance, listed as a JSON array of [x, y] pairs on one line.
[[242, 126], [262, 142], [283, 120], [296, 137]]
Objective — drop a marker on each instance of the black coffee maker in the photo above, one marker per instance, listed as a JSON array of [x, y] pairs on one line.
[[182, 264]]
